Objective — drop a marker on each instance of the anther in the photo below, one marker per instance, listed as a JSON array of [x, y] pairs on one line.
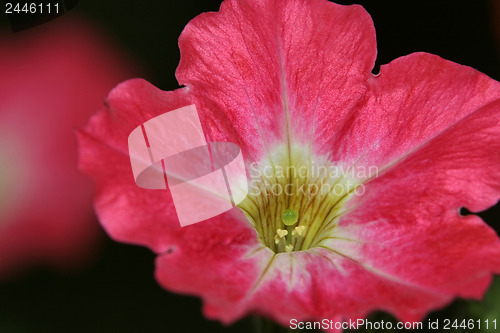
[[277, 239], [298, 231], [281, 233]]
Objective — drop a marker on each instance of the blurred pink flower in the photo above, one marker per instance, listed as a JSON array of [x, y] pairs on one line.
[[290, 82], [53, 77]]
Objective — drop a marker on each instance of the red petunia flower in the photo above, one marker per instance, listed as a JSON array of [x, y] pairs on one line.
[[53, 76], [399, 153]]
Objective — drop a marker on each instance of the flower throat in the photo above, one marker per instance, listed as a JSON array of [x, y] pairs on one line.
[[294, 200]]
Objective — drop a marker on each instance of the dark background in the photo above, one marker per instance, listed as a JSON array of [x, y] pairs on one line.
[[117, 292]]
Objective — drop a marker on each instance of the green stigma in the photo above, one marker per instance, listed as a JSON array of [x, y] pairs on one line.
[[290, 217]]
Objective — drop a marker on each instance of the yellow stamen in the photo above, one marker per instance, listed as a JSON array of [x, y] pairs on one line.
[[298, 231], [281, 233], [277, 239]]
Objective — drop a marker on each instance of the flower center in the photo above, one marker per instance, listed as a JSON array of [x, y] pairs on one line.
[[295, 199]]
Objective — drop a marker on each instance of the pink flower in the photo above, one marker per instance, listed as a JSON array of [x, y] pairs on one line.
[[290, 82], [53, 76]]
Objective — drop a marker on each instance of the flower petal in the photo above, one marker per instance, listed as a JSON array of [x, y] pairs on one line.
[[412, 102], [218, 260], [267, 71], [128, 213], [408, 219]]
